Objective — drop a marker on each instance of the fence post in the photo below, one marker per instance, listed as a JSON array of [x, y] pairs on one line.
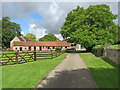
[[56, 53], [34, 55], [51, 55], [61, 52], [16, 57]]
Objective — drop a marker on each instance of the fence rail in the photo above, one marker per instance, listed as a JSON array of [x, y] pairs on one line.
[[23, 57]]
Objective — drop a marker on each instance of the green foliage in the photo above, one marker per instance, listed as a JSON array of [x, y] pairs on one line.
[[117, 46], [90, 27], [99, 48], [58, 48], [48, 37], [31, 36], [9, 31], [72, 48]]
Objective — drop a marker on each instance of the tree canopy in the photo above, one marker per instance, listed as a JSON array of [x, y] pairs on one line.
[[9, 31], [48, 37], [31, 36], [91, 26]]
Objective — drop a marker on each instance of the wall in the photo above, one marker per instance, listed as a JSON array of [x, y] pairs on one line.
[[11, 43], [113, 55], [26, 48], [18, 48], [110, 54]]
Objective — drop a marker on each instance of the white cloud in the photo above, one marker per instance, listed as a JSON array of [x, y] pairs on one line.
[[59, 36], [39, 32], [22, 32], [53, 14]]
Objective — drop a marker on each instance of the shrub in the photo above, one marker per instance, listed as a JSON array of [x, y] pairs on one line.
[[58, 48], [98, 50]]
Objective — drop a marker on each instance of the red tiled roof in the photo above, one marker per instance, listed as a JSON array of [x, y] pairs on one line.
[[58, 39], [41, 43], [24, 38], [27, 39]]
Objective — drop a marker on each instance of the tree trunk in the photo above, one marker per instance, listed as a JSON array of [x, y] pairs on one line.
[[89, 49]]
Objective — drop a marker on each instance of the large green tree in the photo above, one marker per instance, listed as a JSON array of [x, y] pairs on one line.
[[9, 31], [91, 26], [48, 37], [31, 36]]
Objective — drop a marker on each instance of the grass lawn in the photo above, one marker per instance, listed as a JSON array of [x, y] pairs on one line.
[[104, 72], [27, 75]]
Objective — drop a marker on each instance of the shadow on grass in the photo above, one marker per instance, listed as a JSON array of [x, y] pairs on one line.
[[111, 63], [81, 78], [77, 51]]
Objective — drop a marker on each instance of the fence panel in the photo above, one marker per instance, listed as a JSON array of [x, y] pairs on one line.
[[23, 57]]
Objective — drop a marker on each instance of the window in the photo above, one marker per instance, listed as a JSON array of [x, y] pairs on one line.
[[46, 46], [61, 46], [43, 46], [65, 46], [16, 48], [25, 48], [53, 47]]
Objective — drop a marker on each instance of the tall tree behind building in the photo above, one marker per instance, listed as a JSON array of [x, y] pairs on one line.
[[9, 31], [31, 36], [48, 37]]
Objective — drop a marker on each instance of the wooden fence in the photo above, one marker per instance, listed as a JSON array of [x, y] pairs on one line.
[[23, 57]]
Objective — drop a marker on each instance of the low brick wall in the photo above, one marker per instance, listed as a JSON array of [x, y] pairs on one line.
[[112, 54]]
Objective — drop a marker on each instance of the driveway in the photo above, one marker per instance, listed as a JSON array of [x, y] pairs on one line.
[[70, 73]]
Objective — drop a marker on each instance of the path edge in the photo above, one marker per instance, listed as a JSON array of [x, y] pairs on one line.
[[49, 72]]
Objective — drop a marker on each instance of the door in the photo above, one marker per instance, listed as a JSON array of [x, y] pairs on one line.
[[35, 48], [20, 48], [40, 48], [30, 48]]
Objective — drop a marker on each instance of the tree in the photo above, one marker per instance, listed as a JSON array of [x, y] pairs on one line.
[[9, 31], [90, 27], [118, 34], [31, 36], [48, 37]]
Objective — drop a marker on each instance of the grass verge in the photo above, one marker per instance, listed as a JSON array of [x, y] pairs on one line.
[[27, 75], [104, 72]]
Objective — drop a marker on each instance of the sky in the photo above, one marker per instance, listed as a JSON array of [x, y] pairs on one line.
[[41, 18]]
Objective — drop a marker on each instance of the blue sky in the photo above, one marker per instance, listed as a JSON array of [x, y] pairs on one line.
[[41, 18], [25, 23]]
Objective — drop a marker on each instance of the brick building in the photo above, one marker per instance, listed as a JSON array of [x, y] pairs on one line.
[[24, 44]]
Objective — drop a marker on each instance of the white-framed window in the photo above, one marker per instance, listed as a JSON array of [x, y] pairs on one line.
[[16, 48]]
